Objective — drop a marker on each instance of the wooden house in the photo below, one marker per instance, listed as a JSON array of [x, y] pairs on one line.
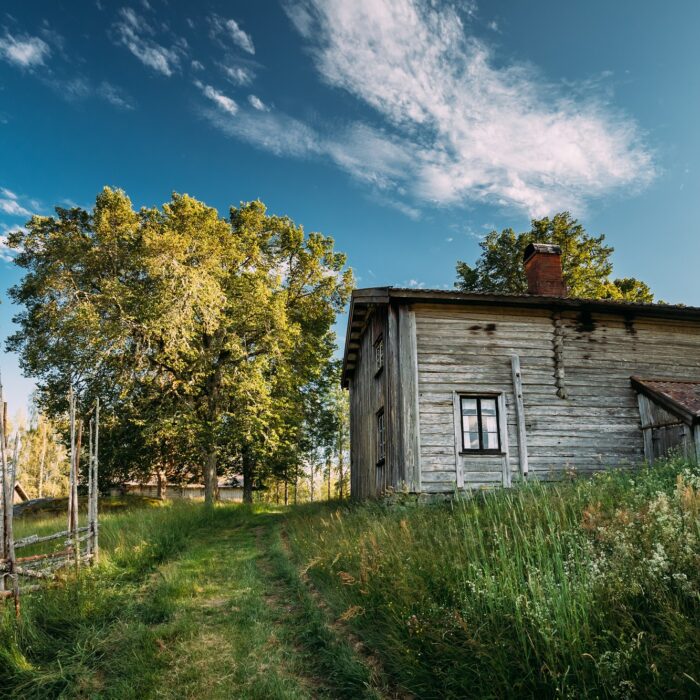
[[452, 390]]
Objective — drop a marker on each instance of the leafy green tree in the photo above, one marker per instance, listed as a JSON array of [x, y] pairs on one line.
[[185, 324], [586, 262]]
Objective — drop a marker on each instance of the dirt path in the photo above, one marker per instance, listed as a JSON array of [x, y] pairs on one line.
[[238, 625]]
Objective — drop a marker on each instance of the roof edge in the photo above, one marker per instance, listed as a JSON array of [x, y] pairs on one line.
[[687, 416]]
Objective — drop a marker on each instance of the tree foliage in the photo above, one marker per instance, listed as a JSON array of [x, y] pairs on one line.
[[201, 335], [586, 262]]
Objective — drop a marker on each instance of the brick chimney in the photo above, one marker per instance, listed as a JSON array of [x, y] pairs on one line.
[[543, 270]]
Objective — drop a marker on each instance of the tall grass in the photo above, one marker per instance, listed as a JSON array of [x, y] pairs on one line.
[[582, 589], [70, 628]]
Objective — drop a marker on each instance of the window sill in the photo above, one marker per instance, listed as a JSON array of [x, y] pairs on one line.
[[492, 453]]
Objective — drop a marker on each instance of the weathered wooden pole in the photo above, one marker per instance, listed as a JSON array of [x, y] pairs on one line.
[[95, 485], [42, 461], [76, 512], [9, 528], [520, 415], [71, 420], [6, 512], [88, 544]]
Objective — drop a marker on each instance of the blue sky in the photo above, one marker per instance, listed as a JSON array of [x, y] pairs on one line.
[[406, 129]]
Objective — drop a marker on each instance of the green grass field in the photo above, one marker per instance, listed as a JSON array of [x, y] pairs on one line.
[[589, 588]]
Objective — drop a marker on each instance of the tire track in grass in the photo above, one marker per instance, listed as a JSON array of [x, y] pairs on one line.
[[224, 640]]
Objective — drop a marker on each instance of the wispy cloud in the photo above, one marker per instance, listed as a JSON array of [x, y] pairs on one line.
[[275, 132], [463, 126], [257, 103], [231, 29], [24, 51], [238, 75], [223, 102], [136, 34], [5, 250], [114, 95], [11, 207]]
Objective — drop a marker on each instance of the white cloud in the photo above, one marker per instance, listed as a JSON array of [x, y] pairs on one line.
[[278, 133], [24, 51], [224, 102], [197, 65], [10, 206], [230, 29], [114, 95], [135, 34], [238, 75], [239, 37], [5, 250], [464, 128], [7, 193], [257, 103]]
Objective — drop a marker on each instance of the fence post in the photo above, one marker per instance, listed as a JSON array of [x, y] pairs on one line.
[[88, 544], [9, 531], [3, 495], [95, 485]]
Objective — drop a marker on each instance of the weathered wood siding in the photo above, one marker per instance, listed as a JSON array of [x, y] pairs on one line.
[[580, 409], [662, 431], [367, 397]]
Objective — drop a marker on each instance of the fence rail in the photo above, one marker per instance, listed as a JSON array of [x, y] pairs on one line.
[[16, 571]]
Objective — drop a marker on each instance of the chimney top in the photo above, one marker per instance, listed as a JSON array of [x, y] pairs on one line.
[[546, 248], [543, 270]]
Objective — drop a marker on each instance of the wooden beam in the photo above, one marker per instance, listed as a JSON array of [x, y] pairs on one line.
[[408, 375], [520, 414], [457, 414], [503, 429]]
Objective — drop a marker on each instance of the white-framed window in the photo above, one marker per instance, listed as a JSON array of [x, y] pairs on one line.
[[480, 425]]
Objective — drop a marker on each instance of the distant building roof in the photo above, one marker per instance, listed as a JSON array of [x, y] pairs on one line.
[[681, 397]]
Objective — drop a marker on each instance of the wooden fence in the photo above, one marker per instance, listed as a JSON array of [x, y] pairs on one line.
[[24, 574]]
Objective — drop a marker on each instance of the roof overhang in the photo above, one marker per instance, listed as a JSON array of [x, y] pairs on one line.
[[681, 397], [363, 302]]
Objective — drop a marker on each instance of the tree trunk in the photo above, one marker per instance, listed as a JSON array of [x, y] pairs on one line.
[[159, 492], [210, 484], [286, 489], [248, 475], [213, 386], [312, 483], [277, 492], [328, 464]]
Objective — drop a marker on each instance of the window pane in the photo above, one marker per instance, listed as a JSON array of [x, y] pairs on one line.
[[470, 424], [490, 441], [468, 407], [488, 407], [471, 441], [488, 424]]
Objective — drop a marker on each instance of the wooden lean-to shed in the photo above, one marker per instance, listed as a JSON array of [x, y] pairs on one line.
[[670, 416], [452, 391]]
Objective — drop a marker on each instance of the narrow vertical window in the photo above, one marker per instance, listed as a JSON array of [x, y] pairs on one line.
[[381, 437], [379, 354], [480, 424]]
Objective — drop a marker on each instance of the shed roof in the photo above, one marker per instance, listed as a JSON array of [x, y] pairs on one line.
[[679, 396], [363, 301]]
